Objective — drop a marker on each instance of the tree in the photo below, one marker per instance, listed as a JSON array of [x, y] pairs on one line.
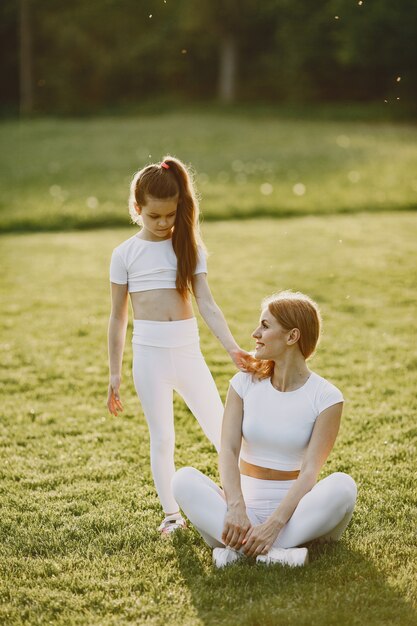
[[78, 57], [232, 24], [25, 60]]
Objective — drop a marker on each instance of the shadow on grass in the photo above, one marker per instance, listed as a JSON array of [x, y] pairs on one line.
[[71, 223], [339, 586]]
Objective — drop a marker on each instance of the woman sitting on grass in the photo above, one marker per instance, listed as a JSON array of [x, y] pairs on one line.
[[280, 424]]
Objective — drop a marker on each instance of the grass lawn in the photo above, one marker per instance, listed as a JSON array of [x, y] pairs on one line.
[[78, 540], [59, 174]]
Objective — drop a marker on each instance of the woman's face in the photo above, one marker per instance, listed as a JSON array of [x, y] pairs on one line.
[[271, 338], [158, 216]]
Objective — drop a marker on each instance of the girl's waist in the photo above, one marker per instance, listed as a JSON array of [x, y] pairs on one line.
[[161, 305], [172, 334]]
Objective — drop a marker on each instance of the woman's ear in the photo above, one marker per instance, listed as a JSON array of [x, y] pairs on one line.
[[138, 208], [294, 336]]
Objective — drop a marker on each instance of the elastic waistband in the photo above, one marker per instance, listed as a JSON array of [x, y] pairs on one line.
[[165, 334], [259, 487]]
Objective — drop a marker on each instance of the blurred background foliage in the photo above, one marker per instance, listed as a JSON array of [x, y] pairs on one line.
[[82, 57]]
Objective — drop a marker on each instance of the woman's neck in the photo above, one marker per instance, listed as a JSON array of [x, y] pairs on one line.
[[290, 372]]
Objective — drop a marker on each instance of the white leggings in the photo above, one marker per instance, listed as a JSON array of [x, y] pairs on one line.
[[167, 356], [324, 512]]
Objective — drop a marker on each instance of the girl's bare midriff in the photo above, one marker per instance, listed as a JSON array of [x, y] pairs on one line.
[[160, 305]]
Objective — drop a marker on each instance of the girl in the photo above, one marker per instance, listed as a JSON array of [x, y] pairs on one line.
[[159, 266], [280, 424]]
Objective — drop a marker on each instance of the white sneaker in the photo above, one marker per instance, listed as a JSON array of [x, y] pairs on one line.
[[225, 556], [294, 557]]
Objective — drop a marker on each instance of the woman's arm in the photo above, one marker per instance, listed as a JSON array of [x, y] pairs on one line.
[[236, 523], [215, 320], [116, 342], [260, 538]]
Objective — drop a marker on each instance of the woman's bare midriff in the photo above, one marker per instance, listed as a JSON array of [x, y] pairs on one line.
[[266, 473], [160, 305]]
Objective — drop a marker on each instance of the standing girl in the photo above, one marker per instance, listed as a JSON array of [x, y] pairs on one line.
[[159, 266]]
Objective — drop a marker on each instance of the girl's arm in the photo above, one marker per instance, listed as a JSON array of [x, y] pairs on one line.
[[116, 342], [236, 523], [215, 320], [260, 538]]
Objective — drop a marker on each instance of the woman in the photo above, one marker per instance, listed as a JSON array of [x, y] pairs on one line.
[[280, 424]]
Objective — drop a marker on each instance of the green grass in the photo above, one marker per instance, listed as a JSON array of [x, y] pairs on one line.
[[78, 543], [60, 174]]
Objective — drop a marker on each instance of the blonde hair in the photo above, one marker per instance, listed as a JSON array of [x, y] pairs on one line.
[[168, 179], [291, 310]]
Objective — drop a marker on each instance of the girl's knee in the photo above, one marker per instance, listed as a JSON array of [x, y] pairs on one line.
[[162, 443]]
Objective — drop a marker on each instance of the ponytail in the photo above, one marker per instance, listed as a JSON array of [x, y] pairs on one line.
[[185, 237]]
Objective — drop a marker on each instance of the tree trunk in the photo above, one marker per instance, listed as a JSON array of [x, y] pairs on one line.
[[228, 69], [26, 82]]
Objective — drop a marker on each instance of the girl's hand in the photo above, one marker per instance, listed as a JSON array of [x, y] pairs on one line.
[[260, 538], [236, 526], [114, 403], [240, 358]]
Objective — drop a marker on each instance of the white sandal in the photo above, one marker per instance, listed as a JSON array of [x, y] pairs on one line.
[[171, 524]]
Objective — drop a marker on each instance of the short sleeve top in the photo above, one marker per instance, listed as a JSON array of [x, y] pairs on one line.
[[277, 426], [146, 265]]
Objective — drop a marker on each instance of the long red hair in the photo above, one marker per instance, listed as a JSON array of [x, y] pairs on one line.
[[291, 310], [167, 182]]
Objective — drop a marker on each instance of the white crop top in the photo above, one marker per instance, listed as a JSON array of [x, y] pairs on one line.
[[277, 426], [145, 265]]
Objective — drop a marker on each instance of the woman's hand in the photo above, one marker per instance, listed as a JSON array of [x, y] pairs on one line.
[[236, 525], [260, 538], [114, 403]]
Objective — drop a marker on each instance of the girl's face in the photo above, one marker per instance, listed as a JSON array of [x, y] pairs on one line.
[[272, 340], [158, 217]]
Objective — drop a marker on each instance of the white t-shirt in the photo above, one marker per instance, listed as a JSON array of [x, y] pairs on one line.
[[145, 265], [277, 426]]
